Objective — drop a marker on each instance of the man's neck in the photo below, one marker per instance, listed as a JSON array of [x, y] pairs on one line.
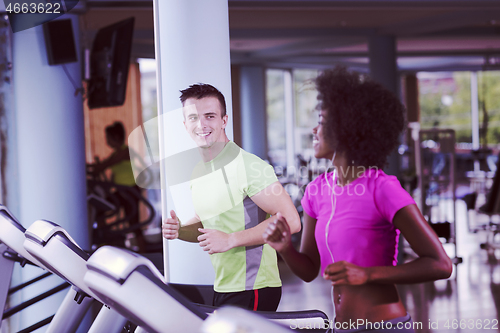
[[210, 153]]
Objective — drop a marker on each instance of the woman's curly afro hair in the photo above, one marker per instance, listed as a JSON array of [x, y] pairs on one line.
[[363, 119]]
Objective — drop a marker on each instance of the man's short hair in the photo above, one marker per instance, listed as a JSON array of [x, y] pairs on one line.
[[201, 90]]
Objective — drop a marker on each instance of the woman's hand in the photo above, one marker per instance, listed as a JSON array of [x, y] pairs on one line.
[[345, 273], [278, 234]]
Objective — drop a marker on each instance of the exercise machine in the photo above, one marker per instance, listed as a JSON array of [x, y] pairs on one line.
[[122, 274], [437, 182], [235, 320], [12, 237], [52, 246], [115, 214], [116, 275]]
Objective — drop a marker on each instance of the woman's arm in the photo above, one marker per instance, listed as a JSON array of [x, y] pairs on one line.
[[306, 263], [432, 263]]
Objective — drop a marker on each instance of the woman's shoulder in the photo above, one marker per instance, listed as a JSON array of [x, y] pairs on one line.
[[386, 186], [375, 180], [378, 176]]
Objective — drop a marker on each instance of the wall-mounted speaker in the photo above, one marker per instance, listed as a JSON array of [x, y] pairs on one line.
[[59, 42]]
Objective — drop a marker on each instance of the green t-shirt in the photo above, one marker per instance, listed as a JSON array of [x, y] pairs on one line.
[[221, 191], [122, 172]]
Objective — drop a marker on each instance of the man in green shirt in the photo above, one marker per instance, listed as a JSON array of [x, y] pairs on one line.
[[235, 196]]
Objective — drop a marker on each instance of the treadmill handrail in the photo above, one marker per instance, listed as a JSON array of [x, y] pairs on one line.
[[41, 231], [119, 263]]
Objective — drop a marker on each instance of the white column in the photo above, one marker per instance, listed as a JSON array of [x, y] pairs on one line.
[[51, 179], [192, 46]]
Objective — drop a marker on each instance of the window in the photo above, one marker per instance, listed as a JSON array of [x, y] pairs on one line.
[[306, 115], [489, 109], [291, 116], [445, 102], [147, 68]]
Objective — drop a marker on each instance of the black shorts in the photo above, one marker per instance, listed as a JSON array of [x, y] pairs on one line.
[[265, 299]]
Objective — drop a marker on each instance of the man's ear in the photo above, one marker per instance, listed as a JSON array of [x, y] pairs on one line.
[[224, 121]]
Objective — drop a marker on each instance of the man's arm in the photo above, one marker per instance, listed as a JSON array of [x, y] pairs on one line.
[[272, 199], [189, 232]]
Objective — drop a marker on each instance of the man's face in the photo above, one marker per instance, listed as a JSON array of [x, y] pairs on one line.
[[203, 121]]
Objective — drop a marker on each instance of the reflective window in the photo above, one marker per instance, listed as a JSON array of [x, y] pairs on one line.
[[276, 126]]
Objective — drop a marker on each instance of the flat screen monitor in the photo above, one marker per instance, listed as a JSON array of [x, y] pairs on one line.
[[109, 64]]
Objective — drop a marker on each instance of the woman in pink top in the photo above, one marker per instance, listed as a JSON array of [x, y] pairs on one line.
[[353, 216]]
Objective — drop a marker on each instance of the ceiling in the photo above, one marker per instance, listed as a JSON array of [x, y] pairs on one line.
[[431, 35]]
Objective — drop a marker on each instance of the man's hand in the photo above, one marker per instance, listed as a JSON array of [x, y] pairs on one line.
[[278, 235], [214, 241], [345, 273], [170, 227]]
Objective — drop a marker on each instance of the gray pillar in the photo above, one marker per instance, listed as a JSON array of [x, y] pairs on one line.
[[50, 148], [384, 69], [235, 91], [253, 110], [383, 61]]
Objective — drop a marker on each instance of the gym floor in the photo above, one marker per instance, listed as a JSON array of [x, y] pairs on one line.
[[468, 301]]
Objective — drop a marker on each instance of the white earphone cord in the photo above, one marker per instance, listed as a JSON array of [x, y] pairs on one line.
[[327, 228]]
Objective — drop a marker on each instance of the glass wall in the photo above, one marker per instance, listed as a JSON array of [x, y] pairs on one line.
[[305, 118], [306, 115], [446, 102], [489, 109], [149, 98]]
